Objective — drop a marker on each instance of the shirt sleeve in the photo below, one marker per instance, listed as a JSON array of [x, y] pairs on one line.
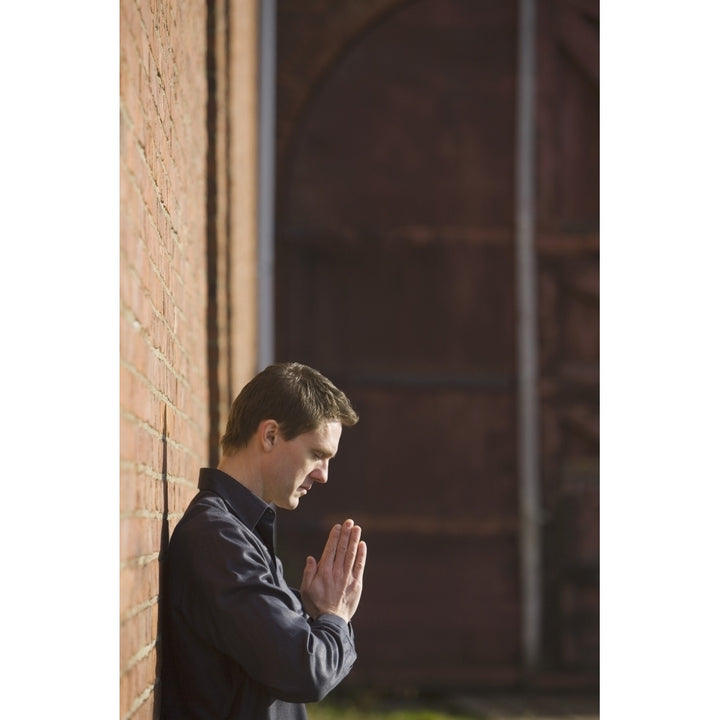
[[234, 601]]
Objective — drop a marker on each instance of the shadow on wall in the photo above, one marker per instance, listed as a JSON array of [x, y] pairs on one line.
[[164, 539]]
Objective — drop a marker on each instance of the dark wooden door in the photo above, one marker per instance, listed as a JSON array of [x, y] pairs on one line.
[[395, 277]]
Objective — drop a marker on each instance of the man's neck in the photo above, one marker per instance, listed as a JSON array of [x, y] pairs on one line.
[[241, 469]]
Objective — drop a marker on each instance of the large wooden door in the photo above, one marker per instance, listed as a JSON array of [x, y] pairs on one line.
[[395, 277]]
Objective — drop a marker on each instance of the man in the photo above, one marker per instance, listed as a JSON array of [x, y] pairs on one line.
[[237, 642]]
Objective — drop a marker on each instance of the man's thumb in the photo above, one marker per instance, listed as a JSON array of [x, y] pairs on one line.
[[310, 568]]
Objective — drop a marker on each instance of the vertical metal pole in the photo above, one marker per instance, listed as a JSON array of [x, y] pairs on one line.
[[266, 187], [528, 454]]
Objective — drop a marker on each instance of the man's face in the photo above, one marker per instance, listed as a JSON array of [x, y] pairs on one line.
[[298, 463]]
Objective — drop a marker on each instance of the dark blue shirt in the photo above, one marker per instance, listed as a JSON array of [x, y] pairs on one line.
[[236, 642]]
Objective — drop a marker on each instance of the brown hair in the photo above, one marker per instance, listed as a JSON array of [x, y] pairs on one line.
[[296, 396]]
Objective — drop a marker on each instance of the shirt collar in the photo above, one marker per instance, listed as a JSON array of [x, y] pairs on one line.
[[250, 508]]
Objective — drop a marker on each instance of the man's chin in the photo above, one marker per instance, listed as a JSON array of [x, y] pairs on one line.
[[290, 504]]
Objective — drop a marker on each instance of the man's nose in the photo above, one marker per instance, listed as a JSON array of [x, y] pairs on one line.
[[320, 473]]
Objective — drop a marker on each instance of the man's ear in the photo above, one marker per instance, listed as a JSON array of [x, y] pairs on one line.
[[268, 433]]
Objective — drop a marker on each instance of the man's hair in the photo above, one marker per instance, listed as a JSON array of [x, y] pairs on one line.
[[299, 398]]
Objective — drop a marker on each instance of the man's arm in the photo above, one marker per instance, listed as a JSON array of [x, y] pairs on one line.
[[233, 602]]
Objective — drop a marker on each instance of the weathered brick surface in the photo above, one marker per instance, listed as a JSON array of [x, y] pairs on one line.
[[163, 369], [187, 343]]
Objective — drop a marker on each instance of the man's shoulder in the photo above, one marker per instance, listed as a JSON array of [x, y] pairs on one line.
[[207, 509], [208, 527]]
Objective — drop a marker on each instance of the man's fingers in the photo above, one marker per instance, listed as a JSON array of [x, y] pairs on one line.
[[360, 559], [328, 555], [348, 559], [343, 544]]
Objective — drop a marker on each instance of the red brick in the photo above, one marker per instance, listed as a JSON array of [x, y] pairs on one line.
[[163, 374]]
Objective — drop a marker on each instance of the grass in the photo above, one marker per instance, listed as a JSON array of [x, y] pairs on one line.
[[355, 711], [328, 712], [371, 706]]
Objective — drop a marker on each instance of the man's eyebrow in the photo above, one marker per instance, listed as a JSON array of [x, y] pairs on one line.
[[323, 453]]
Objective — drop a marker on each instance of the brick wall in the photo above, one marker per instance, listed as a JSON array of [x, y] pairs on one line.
[[163, 288], [187, 281]]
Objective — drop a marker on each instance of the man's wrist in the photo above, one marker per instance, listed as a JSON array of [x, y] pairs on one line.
[[332, 616], [334, 613]]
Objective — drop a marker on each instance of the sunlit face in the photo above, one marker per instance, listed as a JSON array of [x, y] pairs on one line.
[[294, 465]]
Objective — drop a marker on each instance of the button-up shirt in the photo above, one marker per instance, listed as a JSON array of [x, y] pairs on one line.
[[236, 642]]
